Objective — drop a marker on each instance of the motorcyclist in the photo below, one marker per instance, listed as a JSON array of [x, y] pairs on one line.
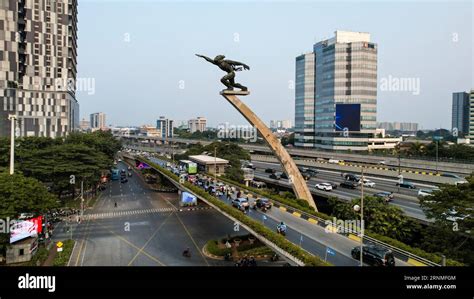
[[187, 252], [281, 227]]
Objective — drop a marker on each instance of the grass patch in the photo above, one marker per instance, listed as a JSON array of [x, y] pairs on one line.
[[62, 258]]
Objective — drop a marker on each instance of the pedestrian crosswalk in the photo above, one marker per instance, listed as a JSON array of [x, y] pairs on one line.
[[117, 214]]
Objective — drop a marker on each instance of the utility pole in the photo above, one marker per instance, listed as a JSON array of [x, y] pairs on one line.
[[436, 155], [82, 199], [12, 118], [362, 219], [215, 163]]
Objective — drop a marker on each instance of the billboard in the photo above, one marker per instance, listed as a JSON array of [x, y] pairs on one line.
[[347, 117], [187, 199], [27, 228]]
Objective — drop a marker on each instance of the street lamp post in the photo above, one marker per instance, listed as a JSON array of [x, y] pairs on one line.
[[12, 118], [82, 199], [436, 155], [360, 208], [215, 164], [399, 164]]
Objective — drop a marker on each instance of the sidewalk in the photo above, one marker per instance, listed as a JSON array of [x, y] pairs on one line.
[[51, 256]]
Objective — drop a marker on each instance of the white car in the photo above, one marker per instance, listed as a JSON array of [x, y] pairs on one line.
[[369, 183], [454, 216], [333, 161], [426, 192], [324, 186]]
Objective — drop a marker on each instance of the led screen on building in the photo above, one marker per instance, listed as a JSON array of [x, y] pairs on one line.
[[347, 117], [27, 228]]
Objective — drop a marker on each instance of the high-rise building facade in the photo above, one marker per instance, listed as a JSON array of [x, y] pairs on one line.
[[98, 121], [38, 45], [460, 113], [471, 116], [304, 100], [165, 127], [84, 125], [336, 93], [197, 124]]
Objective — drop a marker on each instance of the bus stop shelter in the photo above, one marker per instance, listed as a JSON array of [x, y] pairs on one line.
[[210, 164]]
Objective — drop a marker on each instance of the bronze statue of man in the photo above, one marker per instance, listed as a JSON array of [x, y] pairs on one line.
[[230, 67]]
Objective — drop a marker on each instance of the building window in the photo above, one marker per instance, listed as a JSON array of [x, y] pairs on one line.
[[22, 252]]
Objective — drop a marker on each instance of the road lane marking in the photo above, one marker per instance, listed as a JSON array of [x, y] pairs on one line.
[[148, 241], [415, 262], [82, 243], [354, 237], [134, 246], [192, 239]]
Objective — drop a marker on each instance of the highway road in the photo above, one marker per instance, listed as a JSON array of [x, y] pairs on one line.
[[145, 229], [463, 169], [406, 199], [311, 237]]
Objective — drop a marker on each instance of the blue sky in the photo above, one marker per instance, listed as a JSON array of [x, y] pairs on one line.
[[141, 55]]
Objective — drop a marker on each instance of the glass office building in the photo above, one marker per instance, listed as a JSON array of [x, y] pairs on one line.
[[304, 100], [460, 113], [336, 100]]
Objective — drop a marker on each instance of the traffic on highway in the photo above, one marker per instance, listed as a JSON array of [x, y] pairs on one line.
[[315, 239]]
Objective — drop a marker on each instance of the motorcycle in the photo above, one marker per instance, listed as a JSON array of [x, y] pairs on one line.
[[274, 258], [187, 253], [281, 230]]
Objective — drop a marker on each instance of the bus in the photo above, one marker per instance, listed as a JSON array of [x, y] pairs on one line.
[[115, 174], [189, 166]]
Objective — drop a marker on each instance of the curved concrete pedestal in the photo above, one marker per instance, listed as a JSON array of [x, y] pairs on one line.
[[298, 182]]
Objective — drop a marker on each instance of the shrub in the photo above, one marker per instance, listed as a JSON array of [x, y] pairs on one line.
[[40, 256], [213, 248]]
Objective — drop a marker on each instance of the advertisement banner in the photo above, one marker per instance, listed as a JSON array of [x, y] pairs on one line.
[[27, 228], [187, 199]]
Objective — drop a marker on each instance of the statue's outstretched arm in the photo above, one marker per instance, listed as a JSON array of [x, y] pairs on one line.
[[207, 58], [238, 63]]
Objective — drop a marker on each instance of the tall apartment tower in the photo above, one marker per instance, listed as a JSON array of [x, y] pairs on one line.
[[165, 127], [97, 121], [38, 50], [460, 113], [471, 116], [197, 124], [336, 93]]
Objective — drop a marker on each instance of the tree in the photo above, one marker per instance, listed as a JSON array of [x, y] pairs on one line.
[[455, 201], [379, 217], [290, 139], [20, 194], [57, 163]]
